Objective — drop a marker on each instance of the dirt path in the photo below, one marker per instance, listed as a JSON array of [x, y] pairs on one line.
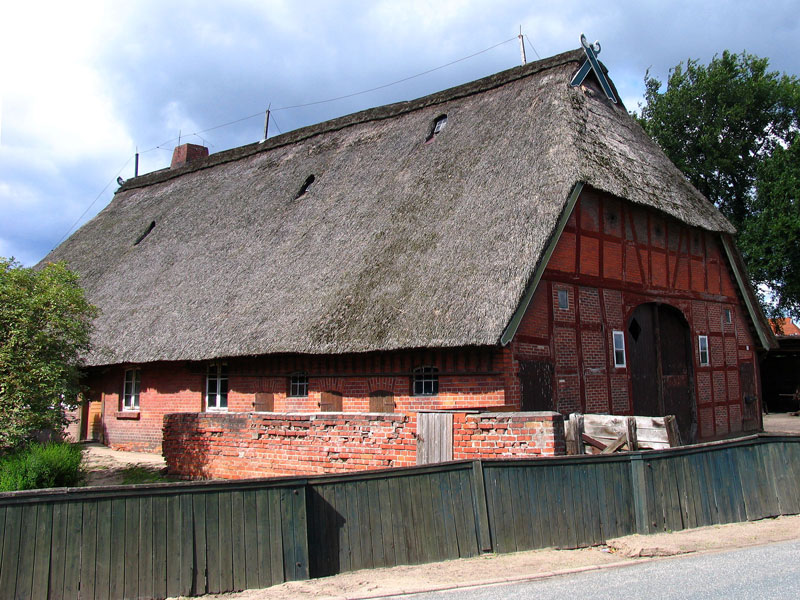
[[782, 423], [494, 568], [105, 466]]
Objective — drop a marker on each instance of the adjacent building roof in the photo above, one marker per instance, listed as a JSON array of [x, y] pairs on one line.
[[397, 243]]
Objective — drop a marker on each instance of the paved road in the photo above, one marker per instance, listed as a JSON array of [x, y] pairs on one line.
[[770, 571]]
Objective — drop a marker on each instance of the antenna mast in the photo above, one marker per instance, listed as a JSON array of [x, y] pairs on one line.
[[522, 46]]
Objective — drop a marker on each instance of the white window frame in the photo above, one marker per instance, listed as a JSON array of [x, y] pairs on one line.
[[727, 316], [298, 385], [618, 341], [217, 400], [702, 350], [426, 381], [131, 388]]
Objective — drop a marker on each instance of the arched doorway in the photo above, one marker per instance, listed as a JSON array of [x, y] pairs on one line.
[[661, 366]]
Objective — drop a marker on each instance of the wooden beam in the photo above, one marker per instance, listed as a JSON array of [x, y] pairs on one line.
[[616, 444]]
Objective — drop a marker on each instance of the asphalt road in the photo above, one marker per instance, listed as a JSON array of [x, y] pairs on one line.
[[770, 571]]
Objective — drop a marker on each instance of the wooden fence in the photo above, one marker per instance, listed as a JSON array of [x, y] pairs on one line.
[[205, 537]]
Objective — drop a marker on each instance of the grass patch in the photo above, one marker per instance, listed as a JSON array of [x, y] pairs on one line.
[[138, 474], [37, 466]]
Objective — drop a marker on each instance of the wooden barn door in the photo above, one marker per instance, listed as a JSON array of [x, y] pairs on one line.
[[434, 437], [661, 366], [330, 402], [536, 380]]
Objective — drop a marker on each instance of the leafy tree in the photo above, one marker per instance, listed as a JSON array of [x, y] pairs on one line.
[[730, 127], [45, 322]]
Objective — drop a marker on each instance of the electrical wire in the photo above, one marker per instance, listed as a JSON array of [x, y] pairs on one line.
[[88, 208], [162, 145], [532, 46]]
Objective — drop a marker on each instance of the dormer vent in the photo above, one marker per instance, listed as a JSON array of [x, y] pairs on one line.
[[145, 233], [305, 187], [437, 127]]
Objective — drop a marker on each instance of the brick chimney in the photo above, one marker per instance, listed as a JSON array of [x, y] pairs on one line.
[[187, 153]]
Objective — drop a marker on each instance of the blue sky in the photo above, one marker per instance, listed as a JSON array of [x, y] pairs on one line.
[[84, 84]]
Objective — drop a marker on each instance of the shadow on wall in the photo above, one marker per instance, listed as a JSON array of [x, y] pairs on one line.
[[327, 524], [187, 445]]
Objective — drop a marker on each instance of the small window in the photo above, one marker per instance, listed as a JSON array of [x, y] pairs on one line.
[[727, 316], [563, 299], [702, 343], [217, 387], [437, 127], [305, 187], [298, 385], [426, 381], [619, 349], [130, 393]]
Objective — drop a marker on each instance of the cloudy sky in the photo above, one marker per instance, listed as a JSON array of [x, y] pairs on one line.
[[83, 84]]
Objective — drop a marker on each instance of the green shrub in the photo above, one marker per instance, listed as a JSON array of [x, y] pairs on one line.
[[41, 466]]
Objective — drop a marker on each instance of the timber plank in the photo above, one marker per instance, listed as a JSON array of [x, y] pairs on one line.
[[675, 515], [102, 572], [41, 565], [687, 492], [160, 534], [225, 543], [354, 526], [334, 525], [749, 475], [449, 521], [706, 494], [276, 526], [300, 532], [572, 507], [714, 480], [213, 585], [734, 484], [27, 552], [605, 504], [187, 544], [460, 514], [538, 507], [238, 540], [435, 508], [2, 535], [11, 547], [403, 526], [365, 532], [343, 560], [481, 511], [594, 507], [788, 450], [88, 549], [263, 538], [555, 495], [519, 507], [287, 532], [174, 536], [131, 559], [384, 503], [146, 547], [617, 482], [491, 482], [728, 511], [251, 555], [316, 531], [422, 520], [72, 564], [376, 526], [200, 547], [769, 487]]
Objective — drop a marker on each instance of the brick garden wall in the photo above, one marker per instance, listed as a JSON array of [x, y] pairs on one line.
[[236, 446]]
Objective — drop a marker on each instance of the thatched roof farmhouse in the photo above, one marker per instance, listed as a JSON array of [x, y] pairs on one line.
[[372, 235]]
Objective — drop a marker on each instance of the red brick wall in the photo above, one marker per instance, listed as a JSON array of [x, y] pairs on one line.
[[240, 445], [612, 257], [507, 435], [469, 378]]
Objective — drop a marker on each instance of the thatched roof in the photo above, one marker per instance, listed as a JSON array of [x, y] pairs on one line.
[[397, 244]]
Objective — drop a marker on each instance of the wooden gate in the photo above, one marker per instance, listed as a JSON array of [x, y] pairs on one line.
[[434, 437], [661, 366]]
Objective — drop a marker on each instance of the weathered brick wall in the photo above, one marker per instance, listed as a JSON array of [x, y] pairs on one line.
[[508, 435], [236, 446], [612, 257]]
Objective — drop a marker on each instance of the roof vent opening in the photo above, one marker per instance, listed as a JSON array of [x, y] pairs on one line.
[[145, 233], [305, 187], [437, 127]]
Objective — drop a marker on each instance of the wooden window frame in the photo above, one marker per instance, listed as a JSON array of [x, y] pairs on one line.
[[131, 390], [703, 354], [298, 385], [617, 335], [425, 381], [727, 316], [217, 401], [562, 293]]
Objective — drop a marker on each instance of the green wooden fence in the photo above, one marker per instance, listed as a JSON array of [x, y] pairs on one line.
[[153, 541]]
